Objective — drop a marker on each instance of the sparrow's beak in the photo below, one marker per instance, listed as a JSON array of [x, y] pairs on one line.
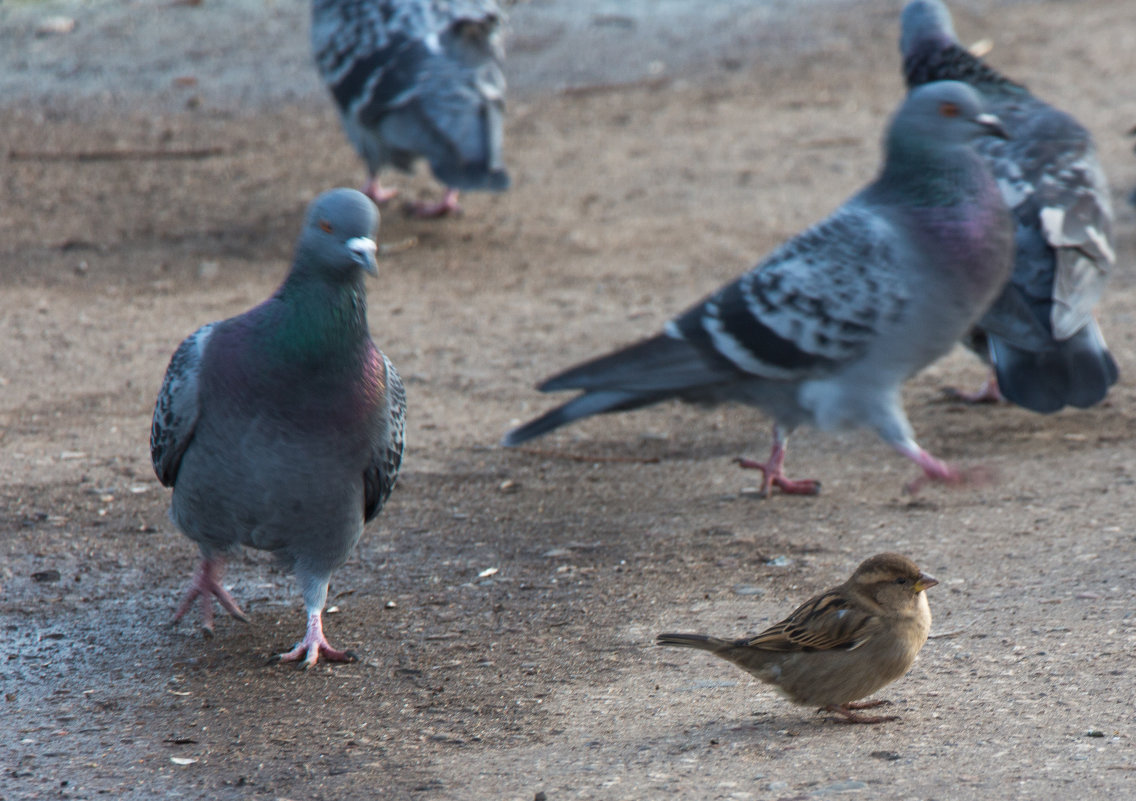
[[993, 125], [364, 249], [925, 582]]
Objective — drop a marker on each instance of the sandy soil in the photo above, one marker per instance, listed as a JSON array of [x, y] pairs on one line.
[[629, 202]]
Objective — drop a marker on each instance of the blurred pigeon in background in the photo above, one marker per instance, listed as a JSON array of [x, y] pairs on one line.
[[282, 428], [417, 79], [1040, 336], [827, 328]]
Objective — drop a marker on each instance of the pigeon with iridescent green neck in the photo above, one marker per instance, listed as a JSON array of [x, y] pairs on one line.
[[1040, 336], [282, 428]]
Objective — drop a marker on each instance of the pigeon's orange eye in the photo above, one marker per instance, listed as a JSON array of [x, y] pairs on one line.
[[325, 226], [949, 110]]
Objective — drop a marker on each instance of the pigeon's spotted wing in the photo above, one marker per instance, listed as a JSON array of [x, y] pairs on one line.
[[816, 302], [175, 414], [1050, 176], [828, 621], [381, 474], [355, 40]]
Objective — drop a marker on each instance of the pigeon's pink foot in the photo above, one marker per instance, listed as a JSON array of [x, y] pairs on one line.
[[773, 477], [941, 472], [447, 205], [987, 393], [374, 190], [314, 645], [772, 473], [848, 716], [206, 585]]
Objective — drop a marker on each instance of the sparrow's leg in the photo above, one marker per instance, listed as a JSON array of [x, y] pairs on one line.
[[867, 704], [848, 716]]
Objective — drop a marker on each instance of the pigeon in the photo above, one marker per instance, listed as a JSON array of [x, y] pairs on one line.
[[839, 646], [826, 329], [1046, 349], [417, 78], [282, 428]]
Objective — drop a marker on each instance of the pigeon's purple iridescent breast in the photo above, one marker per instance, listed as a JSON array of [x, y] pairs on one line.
[[976, 239]]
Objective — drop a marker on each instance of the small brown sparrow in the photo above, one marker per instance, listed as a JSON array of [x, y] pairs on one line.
[[841, 645]]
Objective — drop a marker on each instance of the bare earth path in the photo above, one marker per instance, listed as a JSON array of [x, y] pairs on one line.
[[630, 201]]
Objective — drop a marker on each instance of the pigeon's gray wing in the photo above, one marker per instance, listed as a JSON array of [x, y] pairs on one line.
[[1051, 178], [815, 303], [381, 474], [352, 38], [175, 414]]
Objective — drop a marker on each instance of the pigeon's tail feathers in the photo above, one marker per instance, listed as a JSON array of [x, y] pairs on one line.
[[639, 375], [1077, 372], [661, 364], [474, 176], [702, 642], [585, 405], [461, 145]]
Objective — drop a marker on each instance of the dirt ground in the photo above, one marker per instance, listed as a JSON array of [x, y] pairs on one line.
[[629, 202]]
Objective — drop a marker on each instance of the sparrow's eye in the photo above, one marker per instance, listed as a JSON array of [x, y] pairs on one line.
[[948, 110], [325, 226], [901, 581]]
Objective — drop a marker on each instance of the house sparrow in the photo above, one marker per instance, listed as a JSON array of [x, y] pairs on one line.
[[841, 645]]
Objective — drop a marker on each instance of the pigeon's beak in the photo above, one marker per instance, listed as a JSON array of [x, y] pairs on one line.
[[925, 582], [993, 125], [364, 249]]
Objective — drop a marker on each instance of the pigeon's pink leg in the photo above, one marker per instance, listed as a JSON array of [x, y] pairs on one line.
[[314, 645], [206, 584], [987, 393], [941, 472], [447, 205], [772, 472], [374, 190]]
